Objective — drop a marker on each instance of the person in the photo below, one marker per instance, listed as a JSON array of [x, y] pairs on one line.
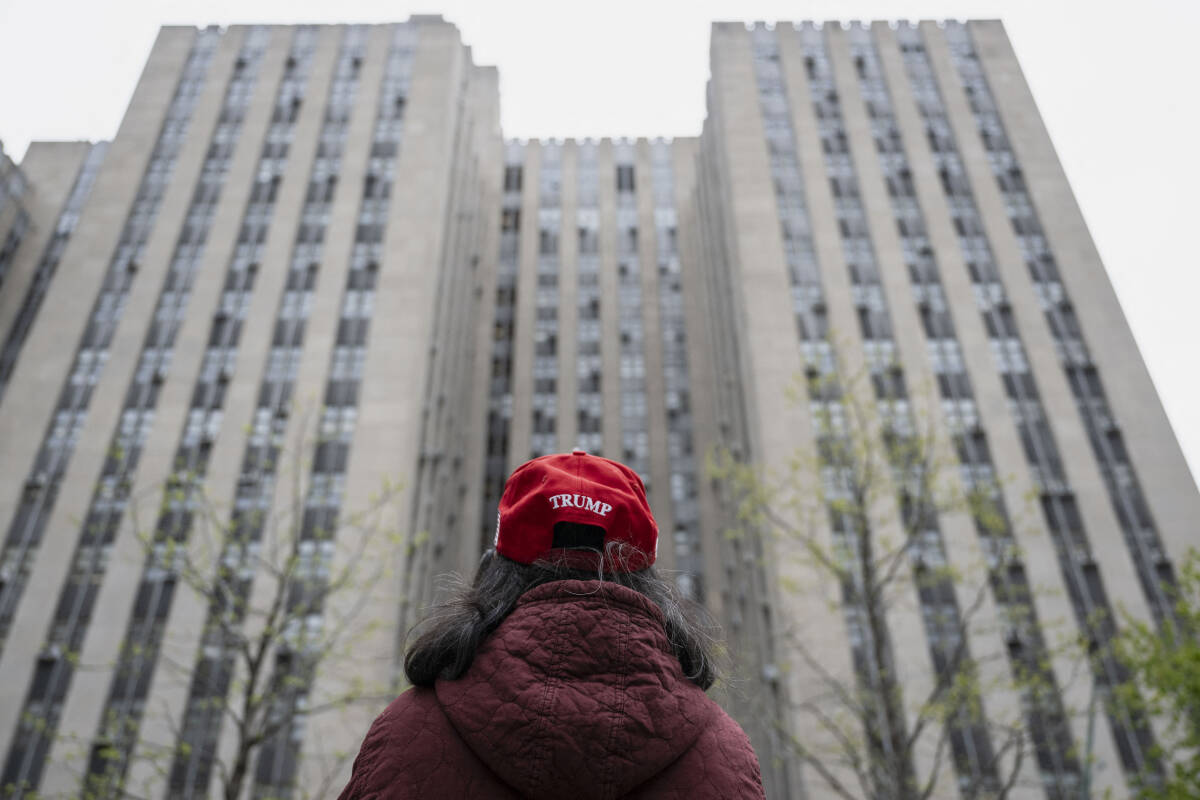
[[567, 669]]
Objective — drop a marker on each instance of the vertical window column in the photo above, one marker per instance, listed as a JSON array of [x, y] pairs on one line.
[[500, 390], [588, 359], [635, 430], [545, 327], [278, 760], [685, 538]]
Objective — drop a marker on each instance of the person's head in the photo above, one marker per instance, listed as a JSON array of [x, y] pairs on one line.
[[561, 517]]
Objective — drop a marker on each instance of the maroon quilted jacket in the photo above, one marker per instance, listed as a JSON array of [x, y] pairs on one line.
[[576, 695]]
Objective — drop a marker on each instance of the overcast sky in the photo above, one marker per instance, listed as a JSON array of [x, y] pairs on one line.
[[1115, 81]]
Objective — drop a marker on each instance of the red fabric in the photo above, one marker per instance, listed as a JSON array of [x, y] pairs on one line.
[[576, 695], [575, 487]]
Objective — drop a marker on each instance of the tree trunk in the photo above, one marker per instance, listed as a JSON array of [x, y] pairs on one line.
[[233, 788], [895, 777]]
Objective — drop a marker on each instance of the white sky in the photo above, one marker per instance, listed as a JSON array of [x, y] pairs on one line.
[[1115, 81]]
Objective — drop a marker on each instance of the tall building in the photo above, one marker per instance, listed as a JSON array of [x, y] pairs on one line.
[[885, 200], [308, 265], [269, 189]]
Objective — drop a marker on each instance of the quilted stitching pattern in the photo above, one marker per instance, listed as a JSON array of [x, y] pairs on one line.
[[412, 751], [577, 694]]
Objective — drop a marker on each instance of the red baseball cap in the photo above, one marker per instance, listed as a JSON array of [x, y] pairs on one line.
[[580, 488]]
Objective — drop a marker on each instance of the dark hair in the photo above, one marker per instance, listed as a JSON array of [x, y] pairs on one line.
[[446, 640]]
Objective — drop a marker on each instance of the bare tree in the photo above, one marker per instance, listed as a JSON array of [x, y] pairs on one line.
[[287, 593], [862, 512]]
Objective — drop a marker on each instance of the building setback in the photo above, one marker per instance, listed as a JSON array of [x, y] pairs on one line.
[[15, 198], [64, 173], [308, 263]]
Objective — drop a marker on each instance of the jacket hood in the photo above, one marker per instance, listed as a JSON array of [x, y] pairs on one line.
[[577, 694]]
